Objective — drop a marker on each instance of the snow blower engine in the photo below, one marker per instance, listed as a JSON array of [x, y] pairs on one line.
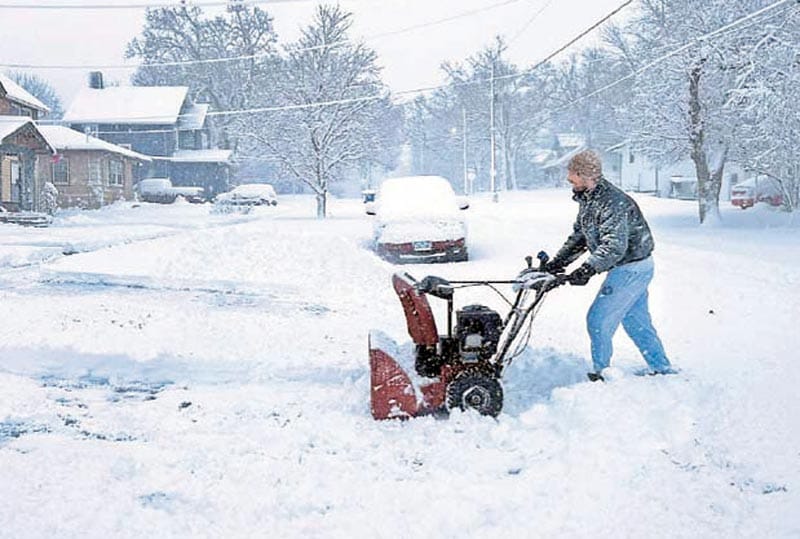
[[461, 369]]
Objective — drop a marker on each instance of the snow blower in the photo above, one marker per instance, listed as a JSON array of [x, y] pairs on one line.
[[463, 368]]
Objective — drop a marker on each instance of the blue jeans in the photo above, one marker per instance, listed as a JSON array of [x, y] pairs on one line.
[[623, 298]]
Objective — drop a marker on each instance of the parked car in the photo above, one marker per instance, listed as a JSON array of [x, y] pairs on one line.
[[419, 219], [249, 194], [162, 191], [758, 189]]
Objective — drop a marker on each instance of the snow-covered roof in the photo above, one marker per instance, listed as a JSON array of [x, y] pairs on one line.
[[193, 118], [64, 138], [570, 140], [212, 155], [11, 124], [17, 93], [127, 105], [564, 159], [542, 156], [617, 146]]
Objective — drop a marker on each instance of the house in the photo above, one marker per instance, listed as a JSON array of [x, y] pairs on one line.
[[553, 160], [87, 171], [157, 121], [16, 101], [21, 146], [632, 171]]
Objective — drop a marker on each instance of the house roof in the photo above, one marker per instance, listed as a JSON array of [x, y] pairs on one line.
[[63, 138], [570, 140], [212, 155], [11, 124], [194, 117], [18, 94], [617, 146], [564, 159], [148, 105]]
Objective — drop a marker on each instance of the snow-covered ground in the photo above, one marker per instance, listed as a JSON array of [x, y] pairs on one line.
[[169, 372]]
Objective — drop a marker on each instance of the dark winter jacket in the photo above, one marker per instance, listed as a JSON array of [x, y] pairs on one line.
[[611, 226]]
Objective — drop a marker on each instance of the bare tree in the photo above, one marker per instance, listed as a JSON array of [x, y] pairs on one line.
[[228, 60], [41, 90], [680, 105], [767, 98], [334, 114]]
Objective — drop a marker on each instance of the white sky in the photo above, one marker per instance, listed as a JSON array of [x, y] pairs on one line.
[[410, 59]]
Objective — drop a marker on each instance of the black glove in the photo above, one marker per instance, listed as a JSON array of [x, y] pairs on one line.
[[581, 276], [554, 267]]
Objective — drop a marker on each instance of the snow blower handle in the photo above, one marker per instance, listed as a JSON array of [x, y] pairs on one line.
[[543, 257]]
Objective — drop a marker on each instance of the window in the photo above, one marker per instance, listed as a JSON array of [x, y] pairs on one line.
[[115, 176], [95, 171], [186, 140], [61, 171], [631, 157], [18, 110]]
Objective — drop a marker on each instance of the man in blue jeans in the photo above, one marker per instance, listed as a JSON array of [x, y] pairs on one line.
[[611, 227]]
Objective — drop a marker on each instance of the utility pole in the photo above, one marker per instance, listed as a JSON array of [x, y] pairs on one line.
[[492, 169], [464, 147]]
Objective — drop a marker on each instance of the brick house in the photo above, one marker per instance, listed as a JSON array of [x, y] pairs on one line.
[[16, 101], [21, 146], [87, 171], [158, 121], [20, 143]]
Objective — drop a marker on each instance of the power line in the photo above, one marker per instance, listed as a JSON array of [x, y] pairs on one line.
[[693, 42], [749, 19], [414, 91], [529, 22], [144, 5], [339, 43]]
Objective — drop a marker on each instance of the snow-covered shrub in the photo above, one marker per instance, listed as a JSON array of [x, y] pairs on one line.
[[48, 198]]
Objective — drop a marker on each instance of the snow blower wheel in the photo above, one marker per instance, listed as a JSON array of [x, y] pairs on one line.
[[475, 391], [462, 367]]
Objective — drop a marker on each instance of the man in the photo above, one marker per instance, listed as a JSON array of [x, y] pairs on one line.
[[612, 228]]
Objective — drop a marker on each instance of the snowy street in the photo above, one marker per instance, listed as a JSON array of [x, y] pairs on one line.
[[170, 372]]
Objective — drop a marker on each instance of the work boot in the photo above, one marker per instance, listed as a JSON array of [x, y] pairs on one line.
[[595, 377]]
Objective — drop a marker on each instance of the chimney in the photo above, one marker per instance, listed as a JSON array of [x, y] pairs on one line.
[[96, 80]]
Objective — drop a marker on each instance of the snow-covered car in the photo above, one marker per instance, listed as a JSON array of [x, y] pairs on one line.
[[758, 189], [162, 191], [249, 194], [419, 219]]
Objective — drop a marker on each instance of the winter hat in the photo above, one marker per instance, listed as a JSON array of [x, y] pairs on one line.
[[586, 164]]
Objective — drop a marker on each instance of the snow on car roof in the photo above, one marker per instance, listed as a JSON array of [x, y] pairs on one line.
[[416, 196], [254, 189]]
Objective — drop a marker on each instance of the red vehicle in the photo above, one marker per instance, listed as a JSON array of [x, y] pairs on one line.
[[760, 189], [419, 219]]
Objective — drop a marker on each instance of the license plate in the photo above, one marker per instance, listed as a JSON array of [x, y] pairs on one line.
[[422, 246]]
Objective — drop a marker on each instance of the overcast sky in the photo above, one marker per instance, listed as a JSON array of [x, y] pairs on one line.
[[411, 59]]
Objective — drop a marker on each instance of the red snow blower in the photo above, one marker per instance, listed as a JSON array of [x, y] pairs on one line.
[[463, 368]]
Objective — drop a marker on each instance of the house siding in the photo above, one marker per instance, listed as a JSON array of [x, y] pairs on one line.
[[77, 192], [159, 140], [11, 108], [25, 146]]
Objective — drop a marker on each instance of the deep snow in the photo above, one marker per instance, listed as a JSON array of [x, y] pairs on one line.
[[189, 374]]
